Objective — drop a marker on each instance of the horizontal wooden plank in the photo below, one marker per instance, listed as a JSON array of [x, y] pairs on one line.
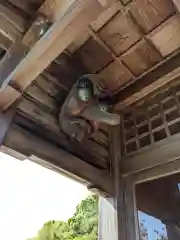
[[5, 42], [177, 4], [151, 13], [162, 74], [65, 19], [51, 88], [164, 170], [166, 37], [6, 119], [101, 138], [15, 19], [26, 122], [41, 97], [37, 113], [79, 42], [27, 6], [8, 29], [25, 142], [50, 121], [165, 151], [120, 33], [7, 97], [106, 16]]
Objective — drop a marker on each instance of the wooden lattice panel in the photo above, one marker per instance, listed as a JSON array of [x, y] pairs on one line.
[[129, 40], [151, 121]]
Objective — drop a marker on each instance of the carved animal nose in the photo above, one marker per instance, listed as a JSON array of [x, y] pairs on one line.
[[94, 113]]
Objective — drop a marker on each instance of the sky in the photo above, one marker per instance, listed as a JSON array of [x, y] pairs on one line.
[[151, 224], [31, 195]]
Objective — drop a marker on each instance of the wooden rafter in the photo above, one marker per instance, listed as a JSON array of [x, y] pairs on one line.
[[29, 144], [65, 17]]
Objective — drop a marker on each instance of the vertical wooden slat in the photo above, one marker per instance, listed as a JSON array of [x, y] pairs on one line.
[[118, 219]]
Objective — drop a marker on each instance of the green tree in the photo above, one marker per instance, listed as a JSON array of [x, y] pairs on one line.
[[83, 225]]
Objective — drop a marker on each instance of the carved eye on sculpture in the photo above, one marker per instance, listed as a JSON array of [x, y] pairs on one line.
[[85, 89], [104, 108]]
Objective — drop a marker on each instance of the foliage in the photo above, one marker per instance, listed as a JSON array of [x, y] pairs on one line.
[[82, 226]]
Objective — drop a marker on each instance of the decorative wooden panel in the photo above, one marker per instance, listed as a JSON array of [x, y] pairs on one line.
[[141, 57], [167, 37], [106, 16], [120, 33], [93, 56], [115, 75], [152, 120], [79, 42], [150, 13]]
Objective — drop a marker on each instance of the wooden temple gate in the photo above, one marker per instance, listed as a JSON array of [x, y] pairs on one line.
[[134, 45]]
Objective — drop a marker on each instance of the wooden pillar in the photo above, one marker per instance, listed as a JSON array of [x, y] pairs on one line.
[[172, 233], [117, 214]]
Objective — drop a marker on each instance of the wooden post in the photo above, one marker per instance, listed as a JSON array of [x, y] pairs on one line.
[[117, 215], [172, 233]]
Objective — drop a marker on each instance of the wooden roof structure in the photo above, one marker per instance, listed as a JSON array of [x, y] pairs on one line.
[[134, 45]]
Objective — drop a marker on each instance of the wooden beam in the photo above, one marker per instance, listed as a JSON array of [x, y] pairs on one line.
[[118, 217], [151, 174], [157, 78], [12, 17], [177, 4], [173, 233], [163, 152], [65, 17], [5, 121], [28, 144], [5, 43]]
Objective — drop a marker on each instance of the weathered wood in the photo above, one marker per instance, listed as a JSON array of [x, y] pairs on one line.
[[39, 114], [55, 80], [41, 97], [159, 77], [118, 216], [151, 174], [101, 138], [93, 56], [163, 152], [29, 144], [167, 36], [114, 76], [120, 33], [44, 117], [12, 153], [27, 6], [5, 120], [65, 70], [177, 4], [66, 16], [8, 29], [141, 57], [51, 88], [108, 224], [106, 16], [150, 13], [79, 42], [7, 97], [173, 233], [16, 20], [5, 42]]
